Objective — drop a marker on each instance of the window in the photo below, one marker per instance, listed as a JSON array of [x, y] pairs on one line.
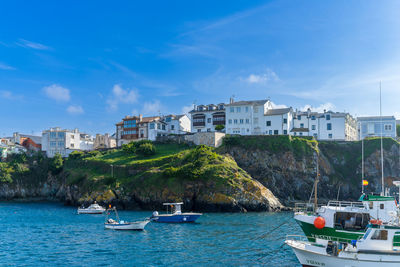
[[158, 126], [230, 121], [276, 132], [330, 136], [247, 109], [172, 127], [388, 127], [329, 126], [208, 130], [72, 136], [284, 120], [163, 126], [241, 121], [151, 125], [371, 205], [235, 121], [209, 120], [298, 117], [72, 145], [382, 206], [221, 106], [238, 109], [255, 109], [247, 129], [61, 144], [379, 235], [231, 109], [313, 127], [268, 123], [301, 125], [295, 133], [199, 130], [255, 120], [301, 134], [168, 119], [328, 117], [52, 144], [313, 117], [61, 135], [247, 121], [284, 131], [53, 135]]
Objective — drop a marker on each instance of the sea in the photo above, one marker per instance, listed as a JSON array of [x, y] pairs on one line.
[[51, 234]]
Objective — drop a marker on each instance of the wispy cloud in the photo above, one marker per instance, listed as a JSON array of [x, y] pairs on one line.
[[278, 105], [268, 75], [120, 95], [321, 108], [6, 67], [186, 109], [57, 93], [75, 110], [124, 69], [9, 95], [32, 45], [153, 107]]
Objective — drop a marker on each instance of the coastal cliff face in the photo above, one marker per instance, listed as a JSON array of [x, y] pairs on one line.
[[289, 169], [202, 179]]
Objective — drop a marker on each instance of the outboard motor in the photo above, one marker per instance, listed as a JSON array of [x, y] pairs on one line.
[[155, 214]]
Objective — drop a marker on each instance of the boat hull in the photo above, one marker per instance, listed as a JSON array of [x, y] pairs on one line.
[[85, 211], [318, 257], [127, 226], [312, 232], [177, 218]]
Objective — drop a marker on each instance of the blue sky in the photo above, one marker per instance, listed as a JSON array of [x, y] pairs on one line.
[[87, 64]]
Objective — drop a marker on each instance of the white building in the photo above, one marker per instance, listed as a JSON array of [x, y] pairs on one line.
[[375, 125], [55, 140], [178, 124], [257, 118], [206, 118], [328, 125], [104, 141]]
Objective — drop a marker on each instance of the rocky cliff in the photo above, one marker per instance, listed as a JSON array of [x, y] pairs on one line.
[[287, 165]]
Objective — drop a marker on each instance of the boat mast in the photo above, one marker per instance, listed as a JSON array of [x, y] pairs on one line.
[[316, 188], [362, 161], [380, 113]]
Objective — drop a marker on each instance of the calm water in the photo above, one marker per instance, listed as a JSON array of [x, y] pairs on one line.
[[45, 234]]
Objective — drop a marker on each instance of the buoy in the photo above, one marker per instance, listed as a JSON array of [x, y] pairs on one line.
[[319, 222]]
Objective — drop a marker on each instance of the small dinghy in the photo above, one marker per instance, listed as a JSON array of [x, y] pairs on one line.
[[175, 215], [123, 225], [92, 209]]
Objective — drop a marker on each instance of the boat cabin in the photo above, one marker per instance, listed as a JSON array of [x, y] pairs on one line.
[[174, 208], [380, 238], [379, 207]]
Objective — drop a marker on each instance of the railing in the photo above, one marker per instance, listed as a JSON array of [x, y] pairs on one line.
[[303, 238], [305, 207], [339, 204]]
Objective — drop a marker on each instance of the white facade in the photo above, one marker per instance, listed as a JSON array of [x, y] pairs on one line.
[[325, 126], [178, 124], [64, 142], [206, 117], [375, 126]]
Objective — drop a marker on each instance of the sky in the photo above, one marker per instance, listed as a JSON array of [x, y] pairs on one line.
[[87, 64]]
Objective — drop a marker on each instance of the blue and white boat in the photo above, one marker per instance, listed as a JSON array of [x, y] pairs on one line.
[[175, 215]]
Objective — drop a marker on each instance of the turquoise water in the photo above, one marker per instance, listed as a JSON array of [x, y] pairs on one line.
[[49, 234]]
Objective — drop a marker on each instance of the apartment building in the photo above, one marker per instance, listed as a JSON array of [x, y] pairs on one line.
[[206, 117], [375, 126], [178, 124], [62, 141], [104, 141], [328, 125]]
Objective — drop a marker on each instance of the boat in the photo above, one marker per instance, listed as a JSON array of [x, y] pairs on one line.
[[175, 215], [379, 246], [123, 225], [92, 209]]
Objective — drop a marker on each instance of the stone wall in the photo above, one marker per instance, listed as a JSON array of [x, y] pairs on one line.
[[213, 139]]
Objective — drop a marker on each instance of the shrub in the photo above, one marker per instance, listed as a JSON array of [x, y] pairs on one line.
[[94, 153], [76, 155], [219, 127], [56, 164], [129, 148], [5, 172], [146, 149]]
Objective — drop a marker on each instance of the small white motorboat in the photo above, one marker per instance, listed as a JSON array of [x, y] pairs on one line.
[[92, 209], [175, 214], [380, 246], [123, 225]]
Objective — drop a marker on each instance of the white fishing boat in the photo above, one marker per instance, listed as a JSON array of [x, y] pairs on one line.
[[123, 225], [379, 246], [92, 209]]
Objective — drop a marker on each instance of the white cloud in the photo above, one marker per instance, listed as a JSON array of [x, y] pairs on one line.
[[6, 67], [268, 76], [33, 45], [320, 108], [152, 108], [186, 109], [57, 92], [75, 110], [278, 106], [9, 95], [120, 95]]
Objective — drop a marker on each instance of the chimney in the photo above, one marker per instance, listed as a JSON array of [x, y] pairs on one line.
[[140, 117], [231, 100], [308, 112]]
